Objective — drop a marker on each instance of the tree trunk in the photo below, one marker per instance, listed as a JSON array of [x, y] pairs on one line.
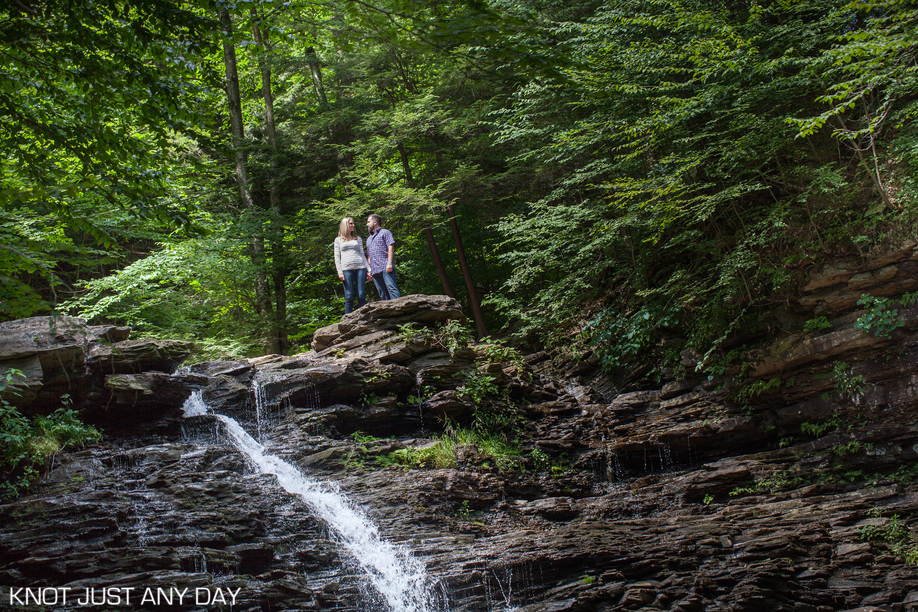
[[316, 70], [234, 102], [428, 233], [467, 276], [278, 341], [438, 263], [873, 173]]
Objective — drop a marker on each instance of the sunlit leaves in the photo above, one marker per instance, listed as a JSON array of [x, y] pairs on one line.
[[674, 168]]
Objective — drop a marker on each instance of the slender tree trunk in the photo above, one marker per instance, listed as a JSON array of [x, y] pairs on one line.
[[873, 173], [480, 326], [316, 70], [428, 233], [438, 262], [279, 328], [234, 101]]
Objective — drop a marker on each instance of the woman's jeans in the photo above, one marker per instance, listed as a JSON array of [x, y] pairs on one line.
[[354, 279]]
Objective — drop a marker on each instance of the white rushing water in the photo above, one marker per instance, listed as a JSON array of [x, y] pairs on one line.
[[399, 578]]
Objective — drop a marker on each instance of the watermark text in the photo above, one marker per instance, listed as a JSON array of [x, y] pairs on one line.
[[117, 596]]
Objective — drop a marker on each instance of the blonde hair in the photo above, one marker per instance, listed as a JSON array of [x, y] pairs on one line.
[[344, 230]]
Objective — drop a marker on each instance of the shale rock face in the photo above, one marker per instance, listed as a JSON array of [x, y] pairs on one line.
[[95, 365], [797, 494], [387, 315]]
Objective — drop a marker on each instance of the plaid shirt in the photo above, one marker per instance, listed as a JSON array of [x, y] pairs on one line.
[[378, 250]]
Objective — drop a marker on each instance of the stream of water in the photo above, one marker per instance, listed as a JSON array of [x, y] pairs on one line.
[[399, 578]]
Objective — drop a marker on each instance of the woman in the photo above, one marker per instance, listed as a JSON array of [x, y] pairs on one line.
[[352, 265]]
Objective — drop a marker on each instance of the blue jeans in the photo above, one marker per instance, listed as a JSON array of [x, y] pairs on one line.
[[354, 279], [385, 285]]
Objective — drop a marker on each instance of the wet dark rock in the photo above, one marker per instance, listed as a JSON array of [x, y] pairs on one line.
[[552, 508], [680, 497], [64, 356], [446, 405], [440, 370], [714, 479], [343, 380], [133, 356]]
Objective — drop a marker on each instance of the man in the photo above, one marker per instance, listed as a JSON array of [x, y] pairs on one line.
[[381, 253]]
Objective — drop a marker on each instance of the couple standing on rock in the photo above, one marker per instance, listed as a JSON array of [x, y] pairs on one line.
[[355, 268]]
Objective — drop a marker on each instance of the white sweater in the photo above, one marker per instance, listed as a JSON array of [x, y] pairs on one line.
[[349, 255]]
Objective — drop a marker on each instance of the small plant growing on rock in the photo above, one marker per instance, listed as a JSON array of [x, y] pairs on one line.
[[814, 429], [880, 318], [850, 448], [463, 511], [439, 455], [412, 334], [540, 460], [759, 387], [424, 391], [779, 481], [361, 438], [896, 536], [476, 387], [817, 325], [450, 336], [497, 351], [368, 399], [26, 445], [847, 384]]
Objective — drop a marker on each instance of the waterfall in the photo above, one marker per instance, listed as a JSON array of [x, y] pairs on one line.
[[399, 578]]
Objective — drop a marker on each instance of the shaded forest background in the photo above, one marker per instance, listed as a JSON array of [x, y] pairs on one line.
[[627, 177]]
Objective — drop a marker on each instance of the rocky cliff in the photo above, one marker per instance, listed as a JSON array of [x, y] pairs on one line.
[[792, 491]]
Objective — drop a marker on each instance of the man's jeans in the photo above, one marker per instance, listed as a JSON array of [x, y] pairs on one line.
[[385, 285], [354, 279]]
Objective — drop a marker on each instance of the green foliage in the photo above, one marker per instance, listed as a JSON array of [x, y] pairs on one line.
[[908, 299], [849, 448], [880, 318], [97, 101], [450, 336], [847, 384], [680, 182], [28, 444], [477, 385], [495, 350], [818, 324], [778, 481], [411, 333], [541, 462], [442, 454], [894, 534], [892, 531], [621, 338], [464, 512], [816, 429], [759, 387], [361, 438], [653, 173]]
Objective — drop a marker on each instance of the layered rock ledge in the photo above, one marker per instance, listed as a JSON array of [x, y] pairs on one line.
[[691, 495]]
